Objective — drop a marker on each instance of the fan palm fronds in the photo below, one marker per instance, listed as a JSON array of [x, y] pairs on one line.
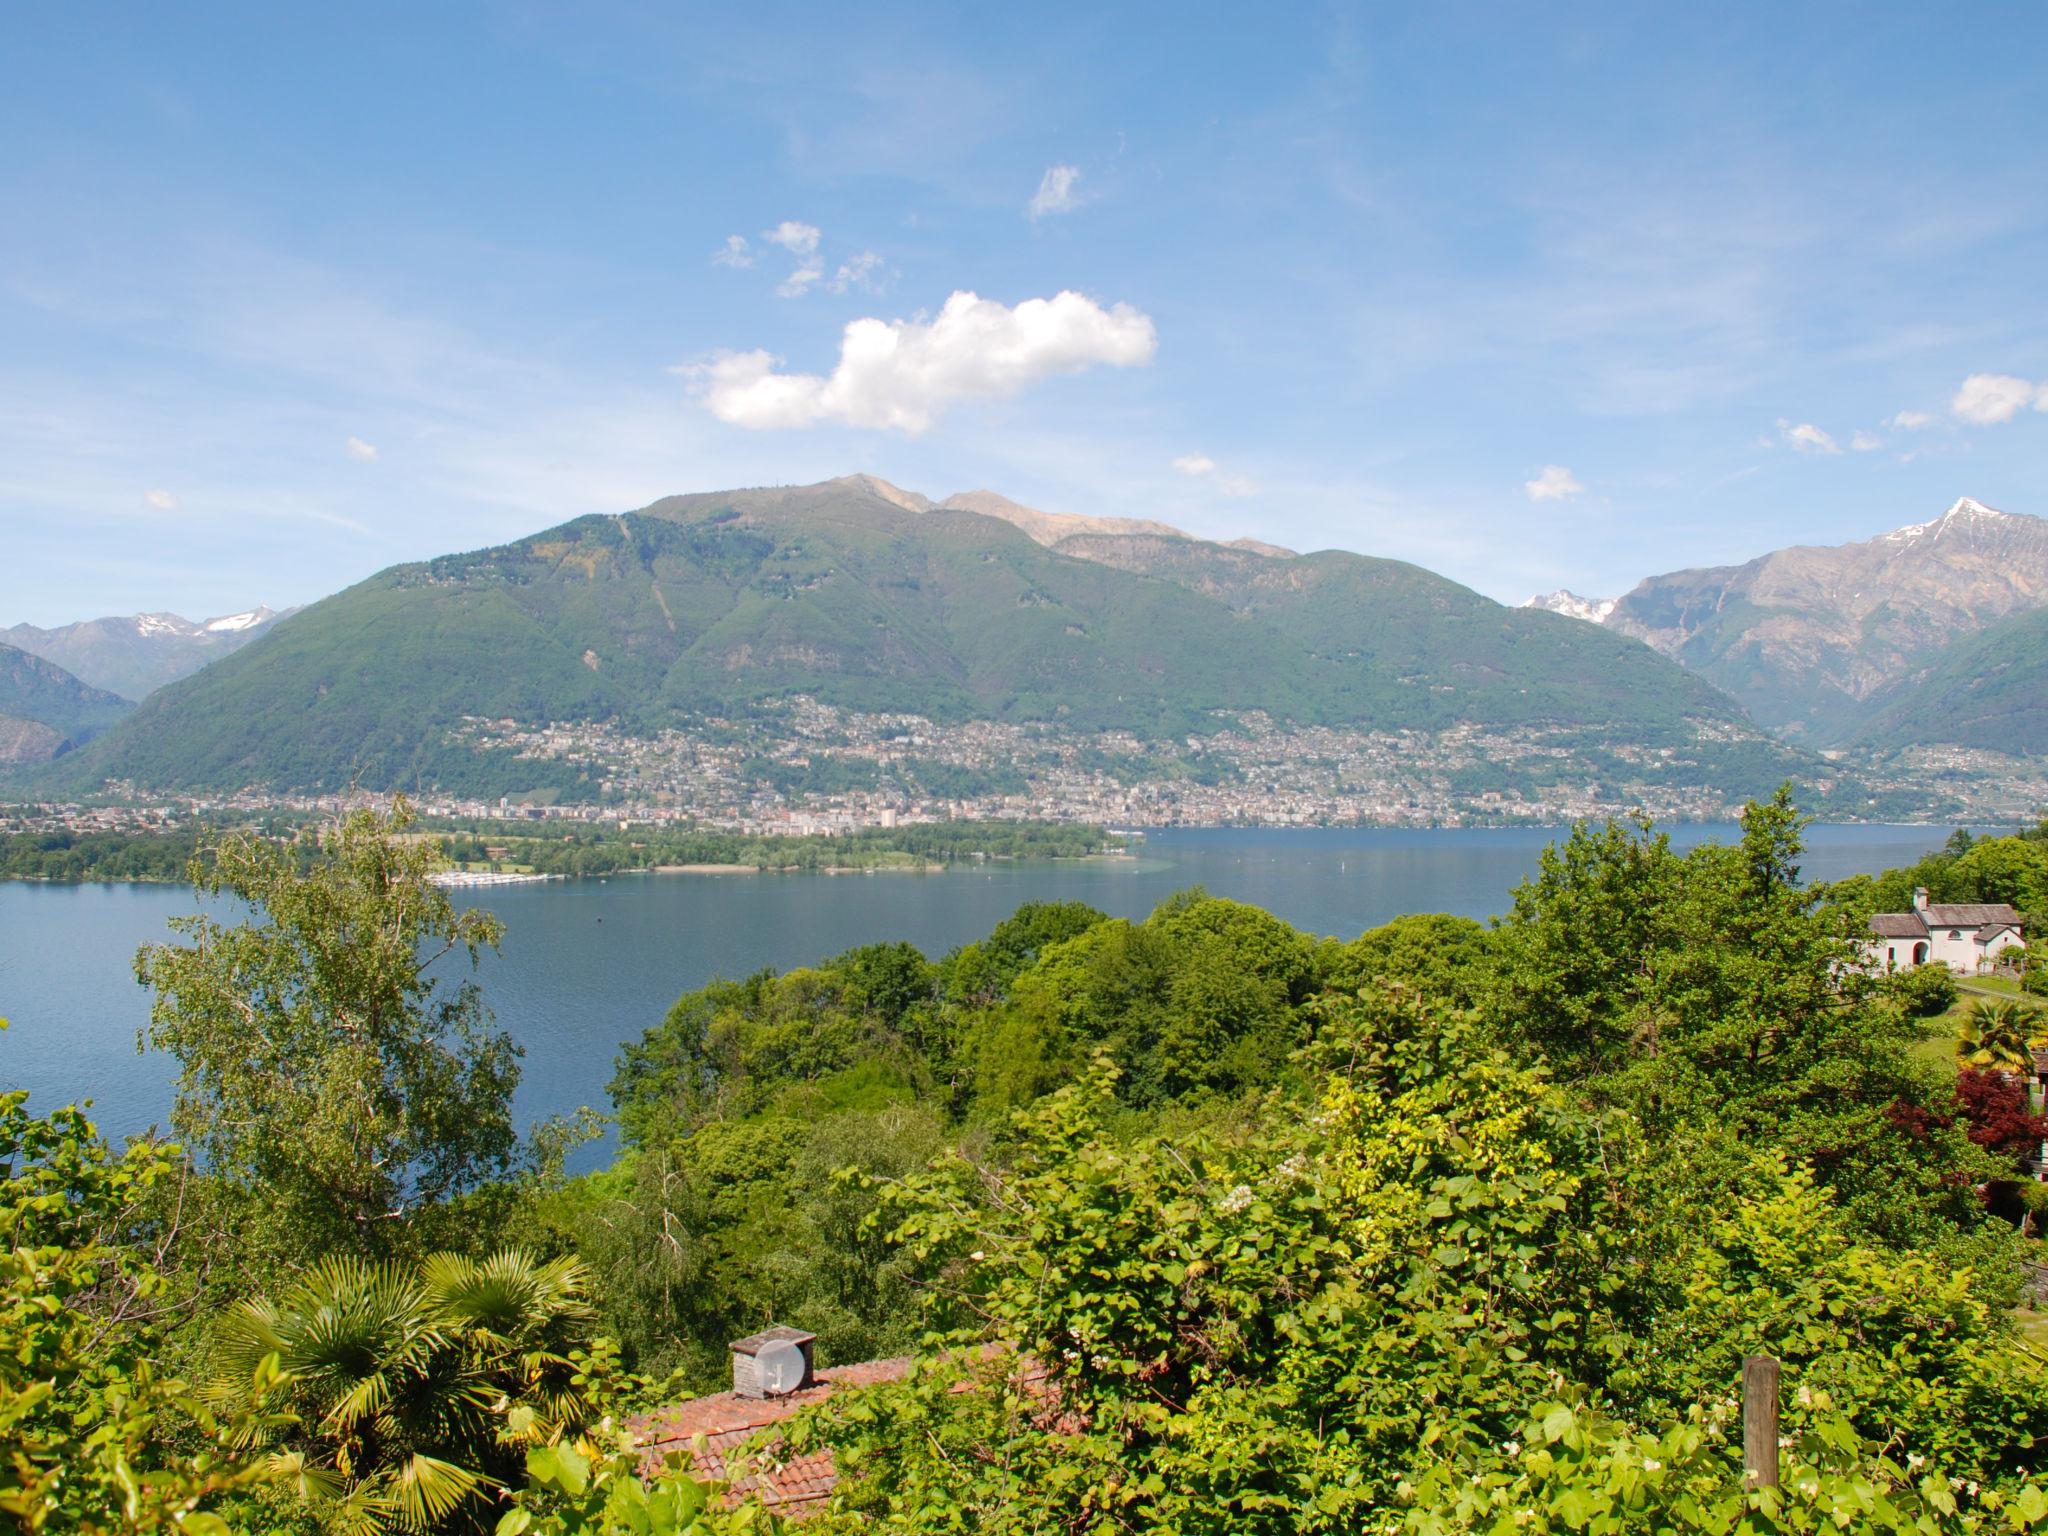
[[1998, 1036], [405, 1379]]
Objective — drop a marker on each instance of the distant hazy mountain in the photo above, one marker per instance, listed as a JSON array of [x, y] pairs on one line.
[[868, 597], [1809, 638], [45, 711], [135, 654]]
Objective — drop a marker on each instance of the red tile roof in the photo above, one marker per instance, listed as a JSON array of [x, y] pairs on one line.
[[727, 1422]]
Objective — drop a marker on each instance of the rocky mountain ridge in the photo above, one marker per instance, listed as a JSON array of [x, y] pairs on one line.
[[1809, 637], [134, 654]]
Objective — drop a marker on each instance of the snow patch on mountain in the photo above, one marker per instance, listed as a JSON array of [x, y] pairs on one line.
[[234, 622], [1594, 610], [1965, 509]]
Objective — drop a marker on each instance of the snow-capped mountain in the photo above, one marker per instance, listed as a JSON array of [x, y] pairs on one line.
[[133, 654], [1593, 610]]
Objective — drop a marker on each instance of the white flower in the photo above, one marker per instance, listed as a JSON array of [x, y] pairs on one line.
[[1236, 1200], [1513, 1447], [1915, 1461], [1652, 1464], [977, 1255]]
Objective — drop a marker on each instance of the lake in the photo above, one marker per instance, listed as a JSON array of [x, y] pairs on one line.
[[589, 964]]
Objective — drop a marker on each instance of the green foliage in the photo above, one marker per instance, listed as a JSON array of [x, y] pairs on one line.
[[1998, 1035], [706, 1238], [414, 1387], [336, 1095], [1573, 1468], [1924, 991], [1722, 1002], [86, 1409]]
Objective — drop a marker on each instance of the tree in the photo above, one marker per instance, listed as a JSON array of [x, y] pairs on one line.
[[86, 1411], [416, 1387], [326, 1082], [1997, 1035]]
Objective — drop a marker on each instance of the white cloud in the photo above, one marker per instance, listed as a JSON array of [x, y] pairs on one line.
[[358, 449], [1055, 192], [163, 501], [1865, 442], [862, 272], [1806, 437], [1989, 398], [734, 253], [1553, 482], [901, 374], [1201, 467], [801, 241], [1911, 421]]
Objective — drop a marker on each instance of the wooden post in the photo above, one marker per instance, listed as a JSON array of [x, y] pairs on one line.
[[1760, 1421]]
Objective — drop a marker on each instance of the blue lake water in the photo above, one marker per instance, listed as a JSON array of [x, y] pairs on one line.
[[589, 964]]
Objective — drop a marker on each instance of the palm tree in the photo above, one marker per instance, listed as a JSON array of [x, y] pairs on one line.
[[1998, 1036], [412, 1385]]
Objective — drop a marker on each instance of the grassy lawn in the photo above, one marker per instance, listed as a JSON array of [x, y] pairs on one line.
[[1990, 986]]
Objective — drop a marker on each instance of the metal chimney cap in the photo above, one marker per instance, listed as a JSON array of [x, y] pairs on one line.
[[753, 1344]]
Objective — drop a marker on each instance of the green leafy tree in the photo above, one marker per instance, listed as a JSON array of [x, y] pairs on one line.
[[1722, 1001], [333, 1090], [95, 1436]]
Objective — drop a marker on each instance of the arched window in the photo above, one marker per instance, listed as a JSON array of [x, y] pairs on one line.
[[1955, 933], [1920, 953]]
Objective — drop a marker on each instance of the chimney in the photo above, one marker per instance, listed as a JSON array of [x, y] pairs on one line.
[[772, 1363], [1919, 898]]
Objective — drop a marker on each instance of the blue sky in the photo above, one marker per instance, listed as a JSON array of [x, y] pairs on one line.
[[1532, 295]]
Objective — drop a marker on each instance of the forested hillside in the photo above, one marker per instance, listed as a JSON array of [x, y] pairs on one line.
[[1198, 1223], [1988, 690], [711, 605], [45, 711]]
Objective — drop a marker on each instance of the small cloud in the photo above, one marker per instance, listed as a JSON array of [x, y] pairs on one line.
[[1865, 442], [1987, 399], [859, 272], [734, 253], [902, 374], [1911, 421], [1055, 192], [1806, 437], [1200, 466], [801, 241], [1553, 482], [358, 449], [163, 501]]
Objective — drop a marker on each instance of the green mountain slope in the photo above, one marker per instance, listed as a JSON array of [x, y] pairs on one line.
[[1987, 690], [713, 604], [34, 692]]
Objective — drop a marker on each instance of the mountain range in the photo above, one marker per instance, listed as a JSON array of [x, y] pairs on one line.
[[136, 654], [1875, 643], [869, 598], [865, 597]]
